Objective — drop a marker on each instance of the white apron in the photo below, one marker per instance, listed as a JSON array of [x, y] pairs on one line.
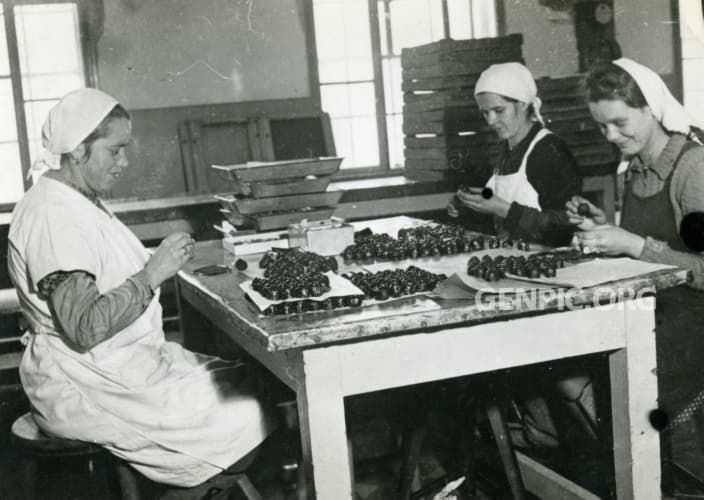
[[516, 187], [176, 416]]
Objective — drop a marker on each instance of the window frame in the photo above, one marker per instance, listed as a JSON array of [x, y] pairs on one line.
[[90, 19], [384, 168]]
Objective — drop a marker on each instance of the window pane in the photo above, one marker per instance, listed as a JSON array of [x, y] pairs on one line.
[[484, 19], [346, 100], [8, 125], [342, 133], [366, 141], [392, 84], [394, 130], [415, 22], [460, 18], [11, 187], [36, 113], [4, 60], [343, 41], [48, 86], [46, 53]]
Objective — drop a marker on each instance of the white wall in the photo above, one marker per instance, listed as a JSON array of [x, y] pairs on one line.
[[549, 42], [164, 53], [644, 29], [692, 33]]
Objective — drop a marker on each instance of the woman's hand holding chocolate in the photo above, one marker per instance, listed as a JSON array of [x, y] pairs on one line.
[[584, 214], [171, 255]]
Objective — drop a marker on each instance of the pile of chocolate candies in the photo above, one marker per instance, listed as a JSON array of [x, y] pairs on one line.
[[533, 266], [293, 273], [424, 241], [307, 305], [395, 283]]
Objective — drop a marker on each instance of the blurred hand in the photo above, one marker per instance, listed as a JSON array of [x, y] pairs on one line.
[[611, 240], [474, 200], [173, 252], [596, 216], [452, 209]]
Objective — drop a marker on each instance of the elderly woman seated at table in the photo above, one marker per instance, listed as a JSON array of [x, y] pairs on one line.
[[97, 367]]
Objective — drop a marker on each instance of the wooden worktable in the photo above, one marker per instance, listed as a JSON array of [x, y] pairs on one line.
[[325, 356]]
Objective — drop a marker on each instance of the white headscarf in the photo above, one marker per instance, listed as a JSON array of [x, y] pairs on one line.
[[511, 80], [666, 109], [69, 122]]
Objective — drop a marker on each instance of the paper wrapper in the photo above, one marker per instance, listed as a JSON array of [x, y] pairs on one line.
[[339, 287], [596, 272]]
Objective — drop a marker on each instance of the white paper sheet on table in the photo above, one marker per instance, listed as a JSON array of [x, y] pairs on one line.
[[598, 271], [339, 287], [391, 225]]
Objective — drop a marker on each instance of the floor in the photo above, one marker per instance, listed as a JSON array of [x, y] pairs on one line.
[[376, 463]]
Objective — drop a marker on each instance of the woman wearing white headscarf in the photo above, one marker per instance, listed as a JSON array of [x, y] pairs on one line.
[[96, 367], [536, 172], [664, 183]]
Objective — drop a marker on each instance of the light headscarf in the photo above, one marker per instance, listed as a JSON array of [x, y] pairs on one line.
[[512, 80], [69, 122], [666, 109]]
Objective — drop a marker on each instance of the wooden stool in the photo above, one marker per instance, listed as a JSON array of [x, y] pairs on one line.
[[491, 405], [36, 447]]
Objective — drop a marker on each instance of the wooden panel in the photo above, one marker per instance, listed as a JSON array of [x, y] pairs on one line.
[[301, 137], [265, 138], [223, 142], [528, 340]]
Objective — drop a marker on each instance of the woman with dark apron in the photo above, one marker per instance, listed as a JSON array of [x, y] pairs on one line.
[[664, 183]]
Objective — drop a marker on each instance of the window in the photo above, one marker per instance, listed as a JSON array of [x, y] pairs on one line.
[[358, 46], [41, 59]]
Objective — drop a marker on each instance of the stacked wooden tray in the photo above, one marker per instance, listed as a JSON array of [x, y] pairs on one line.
[[567, 114], [272, 195], [445, 134]]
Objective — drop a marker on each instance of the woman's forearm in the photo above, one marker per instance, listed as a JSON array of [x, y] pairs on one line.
[[88, 318], [660, 252]]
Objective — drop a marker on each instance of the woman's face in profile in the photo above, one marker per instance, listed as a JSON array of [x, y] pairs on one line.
[[107, 158], [506, 117], [626, 127]]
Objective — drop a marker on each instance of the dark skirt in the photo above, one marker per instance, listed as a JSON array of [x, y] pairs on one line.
[[679, 329]]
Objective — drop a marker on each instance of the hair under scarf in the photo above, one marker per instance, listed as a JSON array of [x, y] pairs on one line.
[[69, 122], [512, 80], [666, 109]]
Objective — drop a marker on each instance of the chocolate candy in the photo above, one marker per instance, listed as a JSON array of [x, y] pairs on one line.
[[583, 209]]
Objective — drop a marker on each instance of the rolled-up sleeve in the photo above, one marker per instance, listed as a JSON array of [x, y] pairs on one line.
[[86, 317]]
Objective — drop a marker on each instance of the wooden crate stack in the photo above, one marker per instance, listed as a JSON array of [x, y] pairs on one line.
[[446, 137], [272, 195], [567, 114]]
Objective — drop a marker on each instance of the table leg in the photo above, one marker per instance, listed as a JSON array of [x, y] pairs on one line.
[[633, 395], [321, 410]]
